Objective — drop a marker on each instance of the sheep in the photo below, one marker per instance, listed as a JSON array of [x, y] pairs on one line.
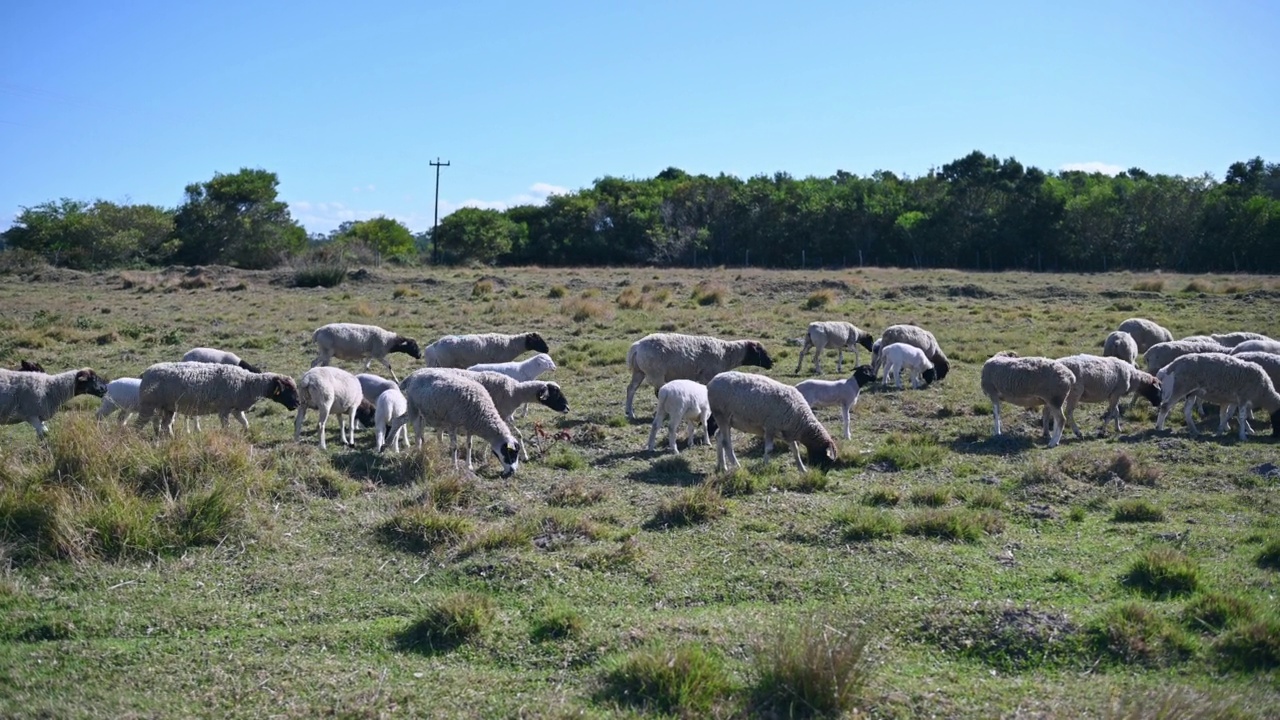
[[1233, 339], [463, 351], [1105, 379], [372, 386], [901, 356], [122, 395], [1222, 379], [508, 394], [763, 406], [193, 388], [350, 341], [1161, 354], [678, 401], [29, 366], [833, 333], [1028, 382], [1145, 333], [1266, 346], [390, 405], [34, 397], [213, 355], [455, 402], [331, 389], [1269, 362], [1120, 344], [912, 335], [821, 393], [528, 369], [660, 358]]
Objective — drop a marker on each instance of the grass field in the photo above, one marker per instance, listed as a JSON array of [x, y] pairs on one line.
[[934, 572]]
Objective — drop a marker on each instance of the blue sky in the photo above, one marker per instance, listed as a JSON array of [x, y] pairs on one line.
[[348, 102]]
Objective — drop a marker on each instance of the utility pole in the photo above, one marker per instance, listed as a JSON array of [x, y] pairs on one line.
[[435, 242]]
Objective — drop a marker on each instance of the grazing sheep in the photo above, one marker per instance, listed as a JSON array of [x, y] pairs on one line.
[[463, 351], [193, 388], [912, 335], [528, 369], [1233, 339], [1161, 354], [1028, 382], [1105, 379], [821, 393], [836, 334], [678, 401], [1120, 344], [122, 395], [903, 356], [1222, 379], [1266, 346], [29, 366], [454, 402], [1269, 362], [1145, 333], [391, 404], [508, 394], [350, 341], [763, 406], [34, 397], [662, 357], [213, 355], [331, 389], [372, 386]]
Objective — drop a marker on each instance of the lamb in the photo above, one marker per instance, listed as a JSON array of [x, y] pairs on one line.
[[901, 356], [1120, 344], [1266, 346], [1233, 339], [1029, 382], [833, 333], [350, 341], [122, 395], [660, 358], [213, 355], [1145, 333], [912, 335], [678, 401], [1105, 379], [528, 369], [193, 388], [821, 393], [330, 389], [455, 402], [390, 405], [763, 406], [34, 397], [372, 386], [508, 394], [1222, 379], [1161, 354], [463, 351]]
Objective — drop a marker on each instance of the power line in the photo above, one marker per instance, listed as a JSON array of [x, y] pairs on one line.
[[435, 239]]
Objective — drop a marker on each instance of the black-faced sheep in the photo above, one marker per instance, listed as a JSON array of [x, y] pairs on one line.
[[662, 357], [463, 351], [350, 341], [763, 406], [34, 397], [833, 334]]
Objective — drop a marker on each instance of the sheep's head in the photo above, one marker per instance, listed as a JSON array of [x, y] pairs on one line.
[[865, 340], [756, 355], [28, 366], [90, 383], [553, 397], [542, 363], [1150, 389], [405, 345], [712, 427], [863, 375], [250, 368], [930, 375], [822, 453], [533, 341], [509, 454], [942, 366], [284, 391], [366, 413]]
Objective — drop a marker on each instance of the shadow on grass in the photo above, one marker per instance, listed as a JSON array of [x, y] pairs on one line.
[[973, 444], [667, 469], [389, 469]]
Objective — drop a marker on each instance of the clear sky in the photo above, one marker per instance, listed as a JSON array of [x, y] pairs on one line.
[[348, 101]]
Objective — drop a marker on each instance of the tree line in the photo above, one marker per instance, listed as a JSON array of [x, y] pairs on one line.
[[978, 212]]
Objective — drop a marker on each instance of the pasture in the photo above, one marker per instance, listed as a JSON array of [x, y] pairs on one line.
[[940, 571]]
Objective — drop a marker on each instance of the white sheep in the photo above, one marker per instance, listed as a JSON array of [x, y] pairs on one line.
[[34, 397], [390, 405], [372, 386], [1121, 344], [454, 402], [1222, 379], [350, 341], [1028, 382], [528, 369], [1145, 333], [834, 334], [1102, 379], [1266, 346], [463, 351], [901, 356], [1161, 354], [508, 394], [678, 401], [332, 390], [122, 395], [213, 355], [823, 393], [1233, 339], [911, 335], [1269, 362], [207, 389], [763, 406], [660, 358]]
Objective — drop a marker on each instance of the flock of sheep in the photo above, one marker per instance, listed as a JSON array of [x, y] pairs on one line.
[[472, 385]]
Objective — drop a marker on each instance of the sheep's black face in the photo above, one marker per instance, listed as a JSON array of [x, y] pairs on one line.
[[28, 366], [929, 376], [1275, 424], [285, 392], [509, 454], [553, 397], [533, 341], [822, 455], [863, 375], [408, 346], [250, 368], [865, 340], [712, 426], [88, 383], [366, 413], [1151, 393], [942, 366], [757, 356]]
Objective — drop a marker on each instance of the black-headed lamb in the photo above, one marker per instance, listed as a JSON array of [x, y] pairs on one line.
[[835, 334]]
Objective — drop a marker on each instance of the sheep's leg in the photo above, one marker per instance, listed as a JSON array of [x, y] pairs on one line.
[[350, 421], [166, 422], [653, 431], [106, 408], [844, 416], [803, 349], [795, 449], [818, 349], [322, 359], [297, 422], [1244, 412], [324, 420], [768, 443], [524, 448], [379, 437], [1072, 401], [1058, 422], [1112, 407], [453, 446], [1165, 407], [395, 438], [840, 359], [637, 377], [124, 417], [389, 368], [728, 444], [995, 412], [721, 465], [1187, 407], [39, 426]]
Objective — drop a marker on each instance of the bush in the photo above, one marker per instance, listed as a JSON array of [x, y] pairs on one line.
[[566, 458], [320, 274], [1149, 285], [935, 496], [1215, 612], [709, 293], [557, 291], [812, 669], [422, 529], [685, 680], [1134, 633], [692, 506], [856, 523], [901, 451], [820, 299], [1136, 510], [954, 524], [1163, 572], [448, 623], [556, 623], [574, 493], [882, 497], [1255, 646], [1269, 556]]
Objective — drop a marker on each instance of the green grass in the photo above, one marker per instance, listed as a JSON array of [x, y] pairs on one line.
[[961, 524], [448, 623], [814, 668], [857, 523], [1136, 510], [1163, 572], [682, 680]]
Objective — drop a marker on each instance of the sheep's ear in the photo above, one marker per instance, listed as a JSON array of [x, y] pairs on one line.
[[544, 393]]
